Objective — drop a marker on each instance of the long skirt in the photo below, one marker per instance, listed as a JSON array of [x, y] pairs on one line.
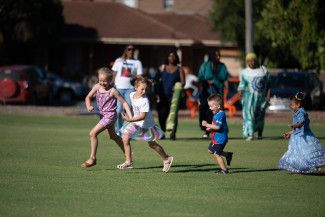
[[305, 154]]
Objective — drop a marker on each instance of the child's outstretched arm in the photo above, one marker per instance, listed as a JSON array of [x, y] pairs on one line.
[[287, 135], [297, 125], [90, 95], [139, 117], [122, 100], [210, 126]]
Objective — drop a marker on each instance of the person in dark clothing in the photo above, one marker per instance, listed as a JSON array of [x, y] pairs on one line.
[[169, 74], [213, 78]]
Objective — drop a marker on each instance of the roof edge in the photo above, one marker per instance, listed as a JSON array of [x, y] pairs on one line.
[[138, 41]]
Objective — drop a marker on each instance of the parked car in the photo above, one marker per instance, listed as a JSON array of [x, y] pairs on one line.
[[287, 83], [24, 84], [66, 92]]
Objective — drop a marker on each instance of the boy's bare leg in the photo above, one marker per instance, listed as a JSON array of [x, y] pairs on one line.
[[220, 162]]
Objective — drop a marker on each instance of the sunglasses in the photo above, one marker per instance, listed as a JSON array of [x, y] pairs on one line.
[[130, 49]]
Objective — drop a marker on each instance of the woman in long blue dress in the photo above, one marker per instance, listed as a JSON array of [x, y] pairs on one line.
[[254, 88], [305, 154]]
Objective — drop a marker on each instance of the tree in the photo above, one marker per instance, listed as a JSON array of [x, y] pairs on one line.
[[228, 18], [290, 25], [285, 33], [27, 26]]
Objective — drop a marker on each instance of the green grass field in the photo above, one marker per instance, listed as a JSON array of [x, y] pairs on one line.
[[40, 174]]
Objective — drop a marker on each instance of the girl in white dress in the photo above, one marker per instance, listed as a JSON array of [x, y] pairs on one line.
[[142, 127]]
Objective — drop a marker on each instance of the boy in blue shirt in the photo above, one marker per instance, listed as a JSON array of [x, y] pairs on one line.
[[219, 133]]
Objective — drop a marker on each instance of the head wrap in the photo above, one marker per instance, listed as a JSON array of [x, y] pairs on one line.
[[250, 56]]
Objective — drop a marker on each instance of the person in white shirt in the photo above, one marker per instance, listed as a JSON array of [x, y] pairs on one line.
[[126, 68], [191, 92], [142, 127]]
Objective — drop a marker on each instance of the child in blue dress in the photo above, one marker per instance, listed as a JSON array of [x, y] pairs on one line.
[[305, 154], [219, 133]]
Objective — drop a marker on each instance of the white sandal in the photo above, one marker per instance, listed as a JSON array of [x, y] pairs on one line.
[[125, 165], [168, 164]]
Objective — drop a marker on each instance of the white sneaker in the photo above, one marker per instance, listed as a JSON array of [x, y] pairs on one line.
[[168, 164], [205, 136]]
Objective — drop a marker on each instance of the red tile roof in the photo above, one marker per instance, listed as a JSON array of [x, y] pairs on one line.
[[117, 23]]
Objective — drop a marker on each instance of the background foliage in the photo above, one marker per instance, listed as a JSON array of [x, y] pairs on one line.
[[28, 26], [286, 34]]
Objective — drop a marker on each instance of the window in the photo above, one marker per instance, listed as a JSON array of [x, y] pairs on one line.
[[130, 3], [168, 4]]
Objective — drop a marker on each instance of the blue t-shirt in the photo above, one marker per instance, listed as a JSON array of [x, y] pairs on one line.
[[300, 116], [220, 136]]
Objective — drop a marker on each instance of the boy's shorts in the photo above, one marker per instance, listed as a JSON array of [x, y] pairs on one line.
[[216, 148]]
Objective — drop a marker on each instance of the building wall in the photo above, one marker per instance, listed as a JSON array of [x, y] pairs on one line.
[[98, 54], [180, 6], [201, 7]]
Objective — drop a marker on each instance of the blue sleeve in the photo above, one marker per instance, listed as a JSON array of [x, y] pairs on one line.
[[300, 117], [218, 119]]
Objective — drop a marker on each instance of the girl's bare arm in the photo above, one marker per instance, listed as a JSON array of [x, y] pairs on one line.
[[122, 100], [297, 125], [90, 95], [140, 117]]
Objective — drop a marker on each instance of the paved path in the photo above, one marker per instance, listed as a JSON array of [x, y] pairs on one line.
[[79, 109]]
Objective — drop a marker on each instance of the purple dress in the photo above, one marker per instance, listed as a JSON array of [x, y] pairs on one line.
[[107, 107]]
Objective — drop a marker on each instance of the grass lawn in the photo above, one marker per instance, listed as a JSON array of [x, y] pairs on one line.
[[40, 174]]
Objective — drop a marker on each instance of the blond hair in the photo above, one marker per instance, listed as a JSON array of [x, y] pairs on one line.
[[216, 98], [141, 80], [107, 72]]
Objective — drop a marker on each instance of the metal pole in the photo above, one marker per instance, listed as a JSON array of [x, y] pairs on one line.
[[249, 26]]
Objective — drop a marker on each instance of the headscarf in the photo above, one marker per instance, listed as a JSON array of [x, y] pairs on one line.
[[250, 56]]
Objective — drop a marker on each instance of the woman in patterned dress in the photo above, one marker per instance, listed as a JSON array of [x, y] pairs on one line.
[[254, 88]]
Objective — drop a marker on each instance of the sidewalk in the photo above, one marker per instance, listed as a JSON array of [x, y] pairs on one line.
[[79, 109]]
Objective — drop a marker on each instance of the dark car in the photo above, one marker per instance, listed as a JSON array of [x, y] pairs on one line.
[[65, 91], [288, 83], [24, 84]]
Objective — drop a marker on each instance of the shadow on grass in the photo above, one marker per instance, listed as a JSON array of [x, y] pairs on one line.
[[188, 168], [307, 174], [231, 138], [245, 170], [178, 165], [231, 170], [318, 137], [206, 168]]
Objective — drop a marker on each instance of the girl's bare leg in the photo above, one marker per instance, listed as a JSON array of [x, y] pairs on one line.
[[94, 142], [156, 147], [112, 134], [127, 148]]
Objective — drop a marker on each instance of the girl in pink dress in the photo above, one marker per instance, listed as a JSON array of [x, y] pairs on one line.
[[106, 97]]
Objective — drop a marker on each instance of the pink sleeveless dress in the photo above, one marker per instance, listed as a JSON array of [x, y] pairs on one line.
[[107, 107]]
